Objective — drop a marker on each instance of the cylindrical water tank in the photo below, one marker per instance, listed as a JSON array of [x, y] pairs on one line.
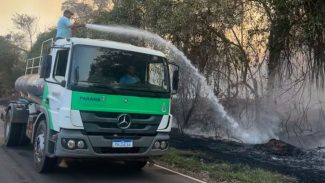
[[30, 84]]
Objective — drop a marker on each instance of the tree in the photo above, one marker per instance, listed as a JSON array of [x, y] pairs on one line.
[[26, 23], [17, 41], [82, 10], [36, 48], [295, 26], [12, 66]]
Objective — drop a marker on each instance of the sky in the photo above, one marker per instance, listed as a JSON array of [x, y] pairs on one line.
[[48, 12]]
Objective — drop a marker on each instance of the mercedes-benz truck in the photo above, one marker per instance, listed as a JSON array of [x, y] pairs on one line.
[[86, 98]]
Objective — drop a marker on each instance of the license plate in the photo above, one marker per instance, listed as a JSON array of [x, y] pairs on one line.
[[122, 143]]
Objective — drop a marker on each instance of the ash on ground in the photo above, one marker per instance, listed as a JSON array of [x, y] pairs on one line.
[[275, 155]]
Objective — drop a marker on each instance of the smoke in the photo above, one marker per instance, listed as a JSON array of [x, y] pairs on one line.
[[301, 105], [217, 123]]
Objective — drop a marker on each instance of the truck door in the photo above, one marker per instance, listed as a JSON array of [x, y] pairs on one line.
[[56, 90]]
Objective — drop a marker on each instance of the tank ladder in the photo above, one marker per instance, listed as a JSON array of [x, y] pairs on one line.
[[33, 65]]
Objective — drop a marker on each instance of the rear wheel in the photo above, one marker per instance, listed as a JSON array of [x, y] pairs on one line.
[[42, 162], [14, 133]]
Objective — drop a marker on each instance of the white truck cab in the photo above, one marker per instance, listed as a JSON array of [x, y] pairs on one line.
[[93, 99]]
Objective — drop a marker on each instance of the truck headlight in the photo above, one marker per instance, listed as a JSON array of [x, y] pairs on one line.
[[81, 144], [71, 144], [156, 145], [163, 145]]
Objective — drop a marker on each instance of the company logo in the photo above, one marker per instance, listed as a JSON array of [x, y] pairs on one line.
[[92, 99], [124, 121], [163, 108]]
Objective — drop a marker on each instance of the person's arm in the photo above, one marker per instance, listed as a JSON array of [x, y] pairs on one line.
[[70, 25], [77, 25]]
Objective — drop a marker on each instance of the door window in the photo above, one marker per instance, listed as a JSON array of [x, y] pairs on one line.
[[60, 65]]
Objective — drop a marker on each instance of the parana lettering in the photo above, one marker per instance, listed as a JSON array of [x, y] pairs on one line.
[[95, 99]]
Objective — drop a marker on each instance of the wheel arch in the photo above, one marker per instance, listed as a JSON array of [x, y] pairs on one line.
[[18, 111], [43, 115]]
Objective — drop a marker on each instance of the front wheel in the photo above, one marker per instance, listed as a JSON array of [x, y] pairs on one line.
[[43, 163]]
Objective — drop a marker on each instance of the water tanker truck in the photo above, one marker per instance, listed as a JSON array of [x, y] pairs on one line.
[[86, 98]]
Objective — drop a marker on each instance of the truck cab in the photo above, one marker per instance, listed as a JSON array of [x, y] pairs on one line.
[[95, 99]]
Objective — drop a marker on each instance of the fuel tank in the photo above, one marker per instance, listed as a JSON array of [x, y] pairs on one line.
[[30, 85]]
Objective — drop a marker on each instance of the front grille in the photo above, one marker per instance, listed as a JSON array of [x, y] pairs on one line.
[[105, 123], [115, 115], [133, 137], [110, 150], [114, 125]]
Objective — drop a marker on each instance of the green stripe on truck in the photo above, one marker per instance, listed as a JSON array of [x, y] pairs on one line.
[[118, 103], [46, 105]]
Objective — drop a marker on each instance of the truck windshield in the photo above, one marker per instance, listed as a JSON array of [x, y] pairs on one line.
[[118, 71]]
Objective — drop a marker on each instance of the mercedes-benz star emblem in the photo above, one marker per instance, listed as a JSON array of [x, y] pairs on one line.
[[124, 121]]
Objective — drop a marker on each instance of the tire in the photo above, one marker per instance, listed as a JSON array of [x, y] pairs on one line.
[[136, 165], [14, 133], [42, 163], [24, 140]]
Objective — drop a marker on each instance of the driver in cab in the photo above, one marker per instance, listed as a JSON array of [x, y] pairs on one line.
[[130, 77]]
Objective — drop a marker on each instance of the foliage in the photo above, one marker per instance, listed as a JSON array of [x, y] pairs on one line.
[[295, 27], [27, 24], [10, 57], [36, 49], [210, 33], [85, 11]]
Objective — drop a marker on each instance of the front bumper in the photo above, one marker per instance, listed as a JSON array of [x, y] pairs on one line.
[[96, 144]]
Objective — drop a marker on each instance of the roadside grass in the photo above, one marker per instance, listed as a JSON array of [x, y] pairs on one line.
[[192, 163]]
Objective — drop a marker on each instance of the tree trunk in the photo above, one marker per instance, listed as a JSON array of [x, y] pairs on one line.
[[279, 33]]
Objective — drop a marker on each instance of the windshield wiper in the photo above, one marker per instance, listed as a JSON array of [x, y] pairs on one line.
[[142, 90], [97, 85]]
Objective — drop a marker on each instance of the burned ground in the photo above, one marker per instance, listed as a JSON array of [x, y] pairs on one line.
[[306, 166]]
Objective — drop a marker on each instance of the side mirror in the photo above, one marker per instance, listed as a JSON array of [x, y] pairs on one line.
[[174, 69], [46, 67], [63, 83], [175, 80]]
